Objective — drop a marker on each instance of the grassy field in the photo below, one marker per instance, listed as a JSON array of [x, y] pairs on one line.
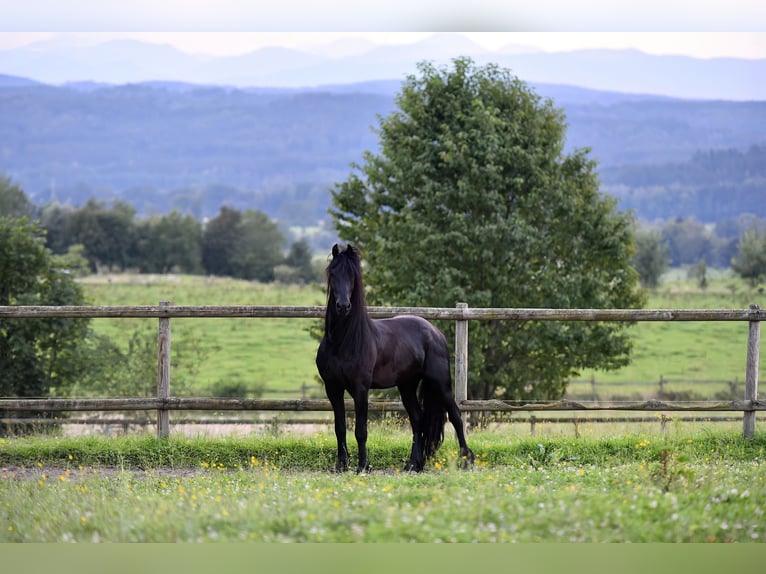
[[687, 352], [706, 487], [280, 352], [695, 482]]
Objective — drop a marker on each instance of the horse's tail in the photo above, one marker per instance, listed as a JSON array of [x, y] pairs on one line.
[[434, 417]]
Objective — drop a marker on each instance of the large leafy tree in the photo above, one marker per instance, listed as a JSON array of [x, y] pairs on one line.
[[171, 242], [13, 201], [106, 231], [245, 244], [37, 356], [219, 241], [472, 198]]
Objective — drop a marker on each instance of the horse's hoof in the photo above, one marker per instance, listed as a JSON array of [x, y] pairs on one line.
[[467, 459], [341, 467], [413, 467], [364, 469]]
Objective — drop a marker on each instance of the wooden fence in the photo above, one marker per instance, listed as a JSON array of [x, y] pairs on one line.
[[163, 403]]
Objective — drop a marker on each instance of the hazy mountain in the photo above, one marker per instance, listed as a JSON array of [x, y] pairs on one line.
[[164, 144], [118, 61], [16, 82], [274, 128], [264, 67], [344, 47], [626, 71], [636, 72]]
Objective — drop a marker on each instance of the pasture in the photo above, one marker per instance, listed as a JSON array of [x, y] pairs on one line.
[[279, 353], [709, 486], [695, 482]]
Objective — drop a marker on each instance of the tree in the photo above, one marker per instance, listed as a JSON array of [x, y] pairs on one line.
[[259, 248], [37, 356], [106, 232], [750, 263], [167, 243], [246, 245], [59, 223], [688, 241], [299, 260], [471, 198], [651, 258], [13, 201], [219, 242], [699, 272]]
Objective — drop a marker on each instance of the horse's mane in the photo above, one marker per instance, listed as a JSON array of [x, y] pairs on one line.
[[351, 333]]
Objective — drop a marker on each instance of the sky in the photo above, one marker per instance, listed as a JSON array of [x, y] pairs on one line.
[[697, 44], [713, 28]]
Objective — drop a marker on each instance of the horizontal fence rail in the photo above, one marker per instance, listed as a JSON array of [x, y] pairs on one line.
[[277, 421], [234, 404], [318, 312], [462, 314]]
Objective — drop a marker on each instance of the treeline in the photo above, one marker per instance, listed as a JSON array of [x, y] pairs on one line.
[[200, 147], [713, 185], [689, 241], [107, 236]]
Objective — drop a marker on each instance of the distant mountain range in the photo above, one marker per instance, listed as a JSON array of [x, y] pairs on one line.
[[628, 71], [274, 129], [166, 145]]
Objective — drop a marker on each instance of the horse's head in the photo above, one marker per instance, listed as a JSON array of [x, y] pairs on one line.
[[343, 278]]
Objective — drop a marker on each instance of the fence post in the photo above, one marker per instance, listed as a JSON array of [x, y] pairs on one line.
[[751, 374], [461, 357], [163, 373]]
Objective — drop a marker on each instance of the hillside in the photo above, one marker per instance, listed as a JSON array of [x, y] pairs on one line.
[[165, 145]]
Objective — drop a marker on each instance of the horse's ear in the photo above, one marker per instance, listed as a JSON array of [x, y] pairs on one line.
[[350, 249], [335, 250]]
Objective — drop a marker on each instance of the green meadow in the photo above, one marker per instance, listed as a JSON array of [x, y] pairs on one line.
[[695, 356], [279, 353], [705, 487]]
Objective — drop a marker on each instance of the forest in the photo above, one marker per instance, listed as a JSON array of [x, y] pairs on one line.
[[162, 147]]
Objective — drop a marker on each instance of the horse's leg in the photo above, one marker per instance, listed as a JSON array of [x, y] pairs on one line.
[[412, 406], [444, 383], [360, 428], [339, 410], [453, 412], [438, 375]]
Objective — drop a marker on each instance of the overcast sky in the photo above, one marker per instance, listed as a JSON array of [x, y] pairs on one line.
[[237, 26]]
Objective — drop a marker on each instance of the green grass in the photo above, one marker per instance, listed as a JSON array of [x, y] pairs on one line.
[[280, 352], [637, 488], [687, 352]]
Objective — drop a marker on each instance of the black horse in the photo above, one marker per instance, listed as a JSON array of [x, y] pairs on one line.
[[358, 353]]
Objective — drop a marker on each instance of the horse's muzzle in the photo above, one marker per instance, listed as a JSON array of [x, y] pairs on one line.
[[343, 309]]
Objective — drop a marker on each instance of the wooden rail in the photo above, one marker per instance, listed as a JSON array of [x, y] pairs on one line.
[[276, 421], [460, 313], [164, 403], [235, 404]]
